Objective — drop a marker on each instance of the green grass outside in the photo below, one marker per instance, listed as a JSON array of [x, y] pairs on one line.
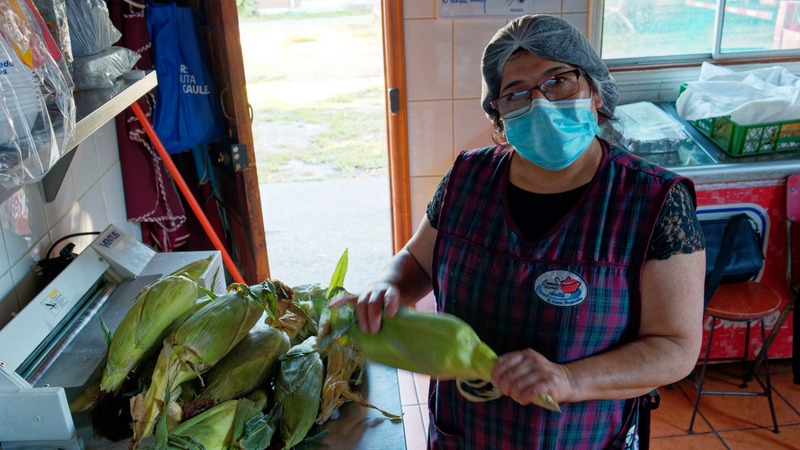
[[352, 140], [292, 82]]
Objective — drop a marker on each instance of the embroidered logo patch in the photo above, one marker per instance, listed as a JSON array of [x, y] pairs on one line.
[[561, 288]]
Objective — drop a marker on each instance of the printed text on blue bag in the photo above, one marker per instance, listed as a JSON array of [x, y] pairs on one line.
[[190, 85]]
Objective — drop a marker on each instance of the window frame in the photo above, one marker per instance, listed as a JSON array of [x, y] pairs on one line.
[[716, 57], [659, 79]]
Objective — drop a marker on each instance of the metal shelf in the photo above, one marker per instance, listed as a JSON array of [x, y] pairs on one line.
[[93, 109]]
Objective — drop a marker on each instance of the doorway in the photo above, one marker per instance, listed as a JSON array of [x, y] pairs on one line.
[[315, 81]]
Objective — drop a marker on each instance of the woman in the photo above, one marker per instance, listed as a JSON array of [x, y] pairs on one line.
[[578, 263]]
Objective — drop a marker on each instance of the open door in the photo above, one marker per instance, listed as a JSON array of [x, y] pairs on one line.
[[397, 121], [235, 160]]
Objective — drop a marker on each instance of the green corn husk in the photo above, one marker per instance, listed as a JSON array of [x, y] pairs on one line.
[[197, 345], [194, 270], [213, 429], [436, 344], [157, 309], [220, 427], [343, 361], [246, 367], [314, 294], [297, 389], [259, 430]]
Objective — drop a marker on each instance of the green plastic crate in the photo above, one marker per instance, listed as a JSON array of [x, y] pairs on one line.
[[748, 140]]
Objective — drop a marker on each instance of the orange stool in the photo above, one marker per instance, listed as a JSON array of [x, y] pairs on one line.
[[748, 302]]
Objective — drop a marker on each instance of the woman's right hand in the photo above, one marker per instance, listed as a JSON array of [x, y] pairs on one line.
[[404, 281], [378, 299]]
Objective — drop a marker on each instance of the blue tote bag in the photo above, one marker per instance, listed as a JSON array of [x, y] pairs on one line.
[[187, 110]]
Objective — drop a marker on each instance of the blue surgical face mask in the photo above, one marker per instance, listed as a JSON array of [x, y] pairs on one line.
[[553, 135]]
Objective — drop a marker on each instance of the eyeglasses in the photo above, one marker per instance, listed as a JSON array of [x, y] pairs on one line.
[[558, 87]]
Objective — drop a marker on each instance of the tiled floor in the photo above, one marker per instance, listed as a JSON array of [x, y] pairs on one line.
[[724, 422]]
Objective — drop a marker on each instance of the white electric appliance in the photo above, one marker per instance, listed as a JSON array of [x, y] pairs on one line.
[[54, 347]]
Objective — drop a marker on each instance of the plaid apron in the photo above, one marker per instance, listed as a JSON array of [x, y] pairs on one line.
[[569, 295]]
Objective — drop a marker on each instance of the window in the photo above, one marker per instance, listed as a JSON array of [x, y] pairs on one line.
[[663, 31]]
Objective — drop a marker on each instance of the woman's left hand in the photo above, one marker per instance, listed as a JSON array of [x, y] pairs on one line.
[[525, 375]]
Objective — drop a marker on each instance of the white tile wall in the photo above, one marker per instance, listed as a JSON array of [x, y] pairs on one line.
[[430, 126], [548, 6], [580, 20], [115, 209], [416, 9], [105, 141], [422, 189], [469, 35], [443, 67], [90, 198], [86, 159], [473, 128], [64, 200], [570, 6], [429, 59]]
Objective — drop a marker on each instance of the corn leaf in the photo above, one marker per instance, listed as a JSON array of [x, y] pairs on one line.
[[208, 292], [337, 280], [106, 332], [298, 389], [195, 269], [260, 430]]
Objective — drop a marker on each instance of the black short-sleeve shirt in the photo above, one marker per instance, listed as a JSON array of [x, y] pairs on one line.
[[677, 231]]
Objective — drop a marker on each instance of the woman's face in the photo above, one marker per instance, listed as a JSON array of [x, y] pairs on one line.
[[525, 70]]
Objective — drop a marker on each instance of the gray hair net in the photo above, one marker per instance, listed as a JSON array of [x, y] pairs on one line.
[[552, 38]]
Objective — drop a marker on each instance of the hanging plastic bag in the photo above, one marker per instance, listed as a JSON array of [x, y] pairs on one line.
[[90, 28], [37, 110], [187, 111], [101, 71], [54, 13]]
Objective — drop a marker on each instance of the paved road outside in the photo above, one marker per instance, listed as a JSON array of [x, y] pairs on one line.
[[309, 224], [295, 64]]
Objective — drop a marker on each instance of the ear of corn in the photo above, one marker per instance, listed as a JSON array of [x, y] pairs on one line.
[[298, 389], [194, 270], [157, 308], [213, 429], [194, 347], [246, 367], [440, 345]]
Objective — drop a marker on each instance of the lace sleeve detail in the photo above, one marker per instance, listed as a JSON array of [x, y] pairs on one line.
[[678, 230], [435, 205]]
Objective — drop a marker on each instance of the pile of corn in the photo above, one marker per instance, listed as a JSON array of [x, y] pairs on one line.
[[240, 370], [261, 365]]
